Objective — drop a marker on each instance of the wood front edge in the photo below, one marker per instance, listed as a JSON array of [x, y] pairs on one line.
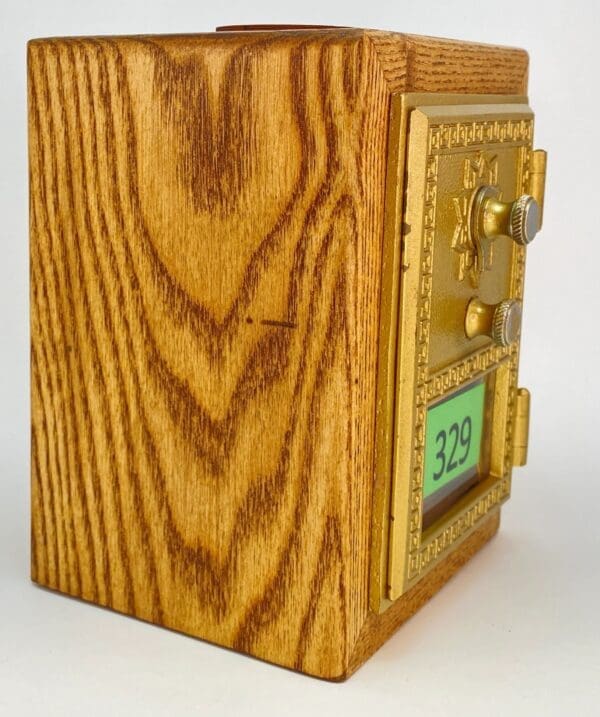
[[379, 628]]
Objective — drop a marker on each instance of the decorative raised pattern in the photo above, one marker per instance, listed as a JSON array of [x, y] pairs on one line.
[[464, 522], [474, 257], [422, 348], [484, 132], [462, 371]]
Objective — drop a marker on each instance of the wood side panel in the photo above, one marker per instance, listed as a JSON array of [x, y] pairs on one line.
[[204, 292]]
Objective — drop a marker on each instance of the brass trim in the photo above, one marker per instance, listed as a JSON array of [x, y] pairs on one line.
[[405, 382]]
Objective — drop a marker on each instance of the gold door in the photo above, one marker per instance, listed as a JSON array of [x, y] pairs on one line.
[[458, 219]]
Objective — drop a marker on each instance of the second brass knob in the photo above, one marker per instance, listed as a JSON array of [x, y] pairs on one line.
[[501, 322]]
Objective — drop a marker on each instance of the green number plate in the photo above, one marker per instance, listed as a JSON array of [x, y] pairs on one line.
[[453, 438]]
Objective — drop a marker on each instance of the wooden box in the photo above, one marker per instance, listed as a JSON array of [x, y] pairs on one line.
[[216, 260]]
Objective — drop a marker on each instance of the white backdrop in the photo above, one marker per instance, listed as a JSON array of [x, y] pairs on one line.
[[518, 632]]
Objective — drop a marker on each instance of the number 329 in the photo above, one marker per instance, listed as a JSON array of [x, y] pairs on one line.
[[450, 441]]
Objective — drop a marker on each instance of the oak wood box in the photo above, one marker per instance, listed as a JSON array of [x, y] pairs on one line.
[[213, 277]]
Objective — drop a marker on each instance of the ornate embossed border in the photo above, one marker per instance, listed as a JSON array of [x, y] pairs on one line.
[[423, 553]]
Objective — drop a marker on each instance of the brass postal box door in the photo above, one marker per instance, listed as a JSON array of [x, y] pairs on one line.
[[276, 284], [459, 421]]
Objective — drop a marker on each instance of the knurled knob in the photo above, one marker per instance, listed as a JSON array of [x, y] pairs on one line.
[[519, 220], [501, 322], [524, 219], [507, 322]]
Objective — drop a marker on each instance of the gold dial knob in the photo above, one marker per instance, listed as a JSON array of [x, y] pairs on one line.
[[519, 220], [501, 322]]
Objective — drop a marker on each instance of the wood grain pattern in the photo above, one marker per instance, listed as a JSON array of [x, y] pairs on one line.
[[206, 220], [425, 64]]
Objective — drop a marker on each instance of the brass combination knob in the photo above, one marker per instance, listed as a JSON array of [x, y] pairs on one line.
[[519, 220], [501, 322]]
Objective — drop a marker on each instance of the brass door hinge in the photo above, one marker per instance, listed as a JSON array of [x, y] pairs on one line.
[[537, 179], [521, 427]]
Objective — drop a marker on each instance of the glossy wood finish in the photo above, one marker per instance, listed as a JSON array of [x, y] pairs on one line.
[[206, 248]]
